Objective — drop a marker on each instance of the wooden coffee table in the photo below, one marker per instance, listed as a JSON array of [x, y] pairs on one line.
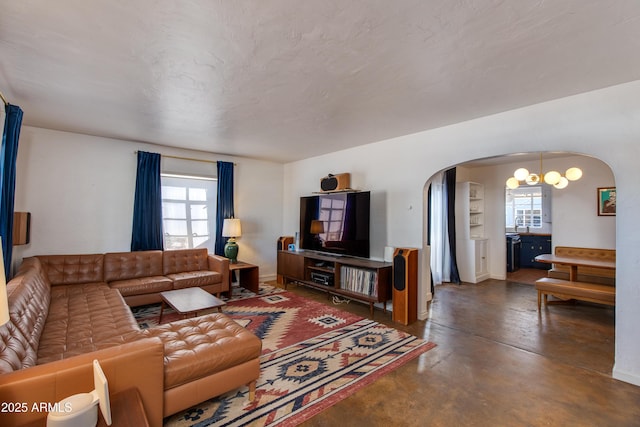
[[189, 300]]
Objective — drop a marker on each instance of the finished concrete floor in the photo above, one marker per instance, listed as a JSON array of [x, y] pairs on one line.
[[498, 362]]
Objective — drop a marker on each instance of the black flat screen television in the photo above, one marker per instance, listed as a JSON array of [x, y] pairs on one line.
[[336, 223]]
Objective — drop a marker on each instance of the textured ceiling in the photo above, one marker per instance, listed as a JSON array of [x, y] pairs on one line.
[[286, 80]]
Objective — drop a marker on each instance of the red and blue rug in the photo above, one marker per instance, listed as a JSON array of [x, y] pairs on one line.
[[314, 355], [277, 317]]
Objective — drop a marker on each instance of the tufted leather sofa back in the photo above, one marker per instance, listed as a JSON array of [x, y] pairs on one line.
[[179, 261], [73, 269], [132, 265], [29, 294]]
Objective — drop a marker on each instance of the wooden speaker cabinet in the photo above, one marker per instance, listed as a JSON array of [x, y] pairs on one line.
[[21, 228], [339, 182], [283, 245], [284, 242], [405, 285]]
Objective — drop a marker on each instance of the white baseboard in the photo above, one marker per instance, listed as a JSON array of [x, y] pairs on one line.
[[625, 376], [268, 278]]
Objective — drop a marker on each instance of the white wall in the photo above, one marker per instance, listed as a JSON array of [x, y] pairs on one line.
[[575, 221], [604, 124], [80, 191]]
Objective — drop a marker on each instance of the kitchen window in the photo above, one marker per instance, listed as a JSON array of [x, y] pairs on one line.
[[524, 207]]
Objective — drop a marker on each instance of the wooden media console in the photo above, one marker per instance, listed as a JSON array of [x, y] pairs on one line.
[[354, 278]]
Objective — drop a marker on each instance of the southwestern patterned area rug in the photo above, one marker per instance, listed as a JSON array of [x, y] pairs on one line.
[[277, 317], [313, 356]]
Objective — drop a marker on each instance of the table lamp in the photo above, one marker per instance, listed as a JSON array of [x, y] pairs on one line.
[[317, 228], [231, 228]]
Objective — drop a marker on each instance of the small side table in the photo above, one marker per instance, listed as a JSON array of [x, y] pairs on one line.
[[126, 410], [249, 276]]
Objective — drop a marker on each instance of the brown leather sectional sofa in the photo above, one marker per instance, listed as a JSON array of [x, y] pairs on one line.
[[141, 276], [67, 310]]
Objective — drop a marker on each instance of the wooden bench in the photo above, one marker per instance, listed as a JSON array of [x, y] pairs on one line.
[[585, 274], [592, 292]]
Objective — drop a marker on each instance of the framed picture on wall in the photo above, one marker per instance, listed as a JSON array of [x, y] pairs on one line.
[[606, 201]]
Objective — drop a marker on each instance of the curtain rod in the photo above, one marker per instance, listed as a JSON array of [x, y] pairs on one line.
[[4, 99], [188, 158]]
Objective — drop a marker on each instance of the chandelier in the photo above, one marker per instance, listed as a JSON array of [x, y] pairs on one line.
[[522, 175]]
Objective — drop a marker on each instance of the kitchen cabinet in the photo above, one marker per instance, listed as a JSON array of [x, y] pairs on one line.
[[532, 246]]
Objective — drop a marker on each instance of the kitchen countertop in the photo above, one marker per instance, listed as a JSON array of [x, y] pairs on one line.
[[527, 234]]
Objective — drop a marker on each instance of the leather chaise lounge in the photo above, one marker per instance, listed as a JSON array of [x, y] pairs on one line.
[[67, 310]]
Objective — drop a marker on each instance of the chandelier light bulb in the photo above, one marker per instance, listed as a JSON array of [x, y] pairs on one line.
[[513, 183], [552, 177], [573, 174], [533, 179], [521, 174], [562, 183]]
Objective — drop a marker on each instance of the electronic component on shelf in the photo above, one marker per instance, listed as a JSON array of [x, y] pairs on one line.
[[322, 278]]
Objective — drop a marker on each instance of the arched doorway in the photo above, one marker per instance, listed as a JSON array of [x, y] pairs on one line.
[[574, 218]]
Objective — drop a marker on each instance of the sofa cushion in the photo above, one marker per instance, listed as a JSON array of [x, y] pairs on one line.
[[72, 269], [16, 352], [65, 291], [200, 346], [182, 260], [132, 265], [142, 285], [195, 278], [81, 322], [28, 295]]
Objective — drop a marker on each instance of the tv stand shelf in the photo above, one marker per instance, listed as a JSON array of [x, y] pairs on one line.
[[354, 278]]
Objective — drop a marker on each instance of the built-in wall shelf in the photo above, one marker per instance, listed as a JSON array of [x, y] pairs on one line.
[[472, 247]]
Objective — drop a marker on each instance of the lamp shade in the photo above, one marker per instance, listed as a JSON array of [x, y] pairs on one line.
[[552, 177], [4, 302], [573, 174], [317, 226], [562, 183], [513, 183], [231, 228], [533, 179], [521, 174]]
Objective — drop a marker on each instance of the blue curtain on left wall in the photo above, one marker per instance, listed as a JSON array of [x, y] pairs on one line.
[[450, 189], [225, 202], [8, 155], [147, 206]]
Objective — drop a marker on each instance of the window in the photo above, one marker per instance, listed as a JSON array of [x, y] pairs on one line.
[[332, 211], [188, 212], [524, 207]]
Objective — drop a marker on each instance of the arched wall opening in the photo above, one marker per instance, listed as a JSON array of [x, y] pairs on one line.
[[574, 217]]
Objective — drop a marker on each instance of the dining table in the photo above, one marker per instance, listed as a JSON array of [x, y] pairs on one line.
[[573, 262]]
